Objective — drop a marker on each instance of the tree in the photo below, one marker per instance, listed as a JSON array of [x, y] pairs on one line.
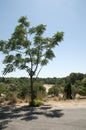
[[28, 50], [67, 91], [75, 76]]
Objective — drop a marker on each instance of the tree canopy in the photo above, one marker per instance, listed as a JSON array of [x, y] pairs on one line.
[[27, 49]]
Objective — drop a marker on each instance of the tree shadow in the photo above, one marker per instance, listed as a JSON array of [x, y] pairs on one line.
[[4, 116], [4, 124], [45, 110], [9, 113]]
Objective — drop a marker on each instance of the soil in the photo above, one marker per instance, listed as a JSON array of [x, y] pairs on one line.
[[62, 104], [68, 103]]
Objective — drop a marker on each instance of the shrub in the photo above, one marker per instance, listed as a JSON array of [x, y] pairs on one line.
[[23, 92], [35, 103], [82, 90], [53, 91], [39, 90]]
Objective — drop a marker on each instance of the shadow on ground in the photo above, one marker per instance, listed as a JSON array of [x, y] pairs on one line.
[[9, 113]]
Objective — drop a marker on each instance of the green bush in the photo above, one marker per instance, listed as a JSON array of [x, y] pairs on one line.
[[54, 90], [82, 90], [23, 91], [39, 90], [35, 103]]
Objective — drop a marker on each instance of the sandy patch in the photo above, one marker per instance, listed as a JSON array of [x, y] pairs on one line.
[[18, 105], [48, 86], [68, 103]]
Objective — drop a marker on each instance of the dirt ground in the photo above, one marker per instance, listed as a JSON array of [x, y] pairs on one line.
[[62, 104], [69, 103]]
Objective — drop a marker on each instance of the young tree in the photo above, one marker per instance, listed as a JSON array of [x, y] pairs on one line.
[[28, 50]]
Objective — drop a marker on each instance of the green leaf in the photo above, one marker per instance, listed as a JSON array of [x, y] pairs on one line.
[[2, 46], [23, 21], [28, 51], [9, 68], [18, 58], [8, 59], [37, 40], [40, 29], [26, 43], [23, 66], [32, 30], [49, 54], [58, 37], [44, 62]]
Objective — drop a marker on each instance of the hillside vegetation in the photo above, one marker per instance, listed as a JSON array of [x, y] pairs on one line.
[[19, 88]]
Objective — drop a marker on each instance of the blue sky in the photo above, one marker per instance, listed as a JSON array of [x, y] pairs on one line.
[[68, 16]]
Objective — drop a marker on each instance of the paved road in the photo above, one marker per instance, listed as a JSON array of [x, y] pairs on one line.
[[43, 118]]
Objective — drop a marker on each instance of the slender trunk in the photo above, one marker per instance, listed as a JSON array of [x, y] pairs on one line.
[[31, 85], [31, 80]]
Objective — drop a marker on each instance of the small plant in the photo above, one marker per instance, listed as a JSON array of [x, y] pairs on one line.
[[35, 103]]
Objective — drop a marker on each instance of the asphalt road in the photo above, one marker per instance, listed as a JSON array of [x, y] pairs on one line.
[[43, 118]]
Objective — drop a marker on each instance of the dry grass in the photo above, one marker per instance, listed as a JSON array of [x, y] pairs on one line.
[[27, 99]]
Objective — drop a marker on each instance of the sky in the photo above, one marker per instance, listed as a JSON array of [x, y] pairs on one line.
[[68, 16]]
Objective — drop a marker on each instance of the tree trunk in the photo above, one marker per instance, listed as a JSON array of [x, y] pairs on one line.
[[31, 86]]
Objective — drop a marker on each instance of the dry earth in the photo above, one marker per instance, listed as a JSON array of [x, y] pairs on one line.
[[66, 103], [48, 86], [69, 103], [61, 104]]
